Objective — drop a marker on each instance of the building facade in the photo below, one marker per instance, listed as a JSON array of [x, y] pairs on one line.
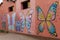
[[33, 17]]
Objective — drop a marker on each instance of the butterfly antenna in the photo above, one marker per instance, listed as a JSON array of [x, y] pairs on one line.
[[55, 35]]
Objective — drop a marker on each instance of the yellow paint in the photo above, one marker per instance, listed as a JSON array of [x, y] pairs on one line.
[[28, 4], [42, 23], [49, 16], [41, 16], [48, 23]]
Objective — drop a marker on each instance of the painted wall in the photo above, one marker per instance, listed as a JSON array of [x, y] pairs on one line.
[[26, 21], [45, 6], [24, 12], [17, 12], [4, 10]]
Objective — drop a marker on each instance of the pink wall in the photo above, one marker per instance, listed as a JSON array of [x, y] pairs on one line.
[[19, 10], [44, 4], [4, 10]]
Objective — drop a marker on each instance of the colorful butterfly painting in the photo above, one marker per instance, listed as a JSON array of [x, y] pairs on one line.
[[18, 24], [51, 16], [4, 21], [26, 20], [11, 21]]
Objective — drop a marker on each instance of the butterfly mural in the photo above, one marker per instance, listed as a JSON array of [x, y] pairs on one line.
[[11, 21], [18, 24], [51, 16], [4, 21], [26, 20]]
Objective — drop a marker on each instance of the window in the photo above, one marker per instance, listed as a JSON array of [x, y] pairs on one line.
[[11, 0], [28, 0], [25, 4], [14, 1], [11, 8], [7, 0]]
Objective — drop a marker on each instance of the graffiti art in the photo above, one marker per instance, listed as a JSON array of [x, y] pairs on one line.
[[4, 22], [51, 16], [11, 21], [18, 24], [26, 21]]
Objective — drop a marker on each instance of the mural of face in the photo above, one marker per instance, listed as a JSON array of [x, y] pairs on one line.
[[26, 21], [51, 16]]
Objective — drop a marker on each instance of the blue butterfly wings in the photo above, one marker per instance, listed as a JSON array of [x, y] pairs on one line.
[[53, 9], [41, 27], [18, 24], [26, 21], [39, 9], [51, 28], [50, 17]]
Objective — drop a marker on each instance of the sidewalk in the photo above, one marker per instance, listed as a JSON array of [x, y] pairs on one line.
[[12, 36]]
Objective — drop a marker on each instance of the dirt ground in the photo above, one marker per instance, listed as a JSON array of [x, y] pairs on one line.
[[13, 36]]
